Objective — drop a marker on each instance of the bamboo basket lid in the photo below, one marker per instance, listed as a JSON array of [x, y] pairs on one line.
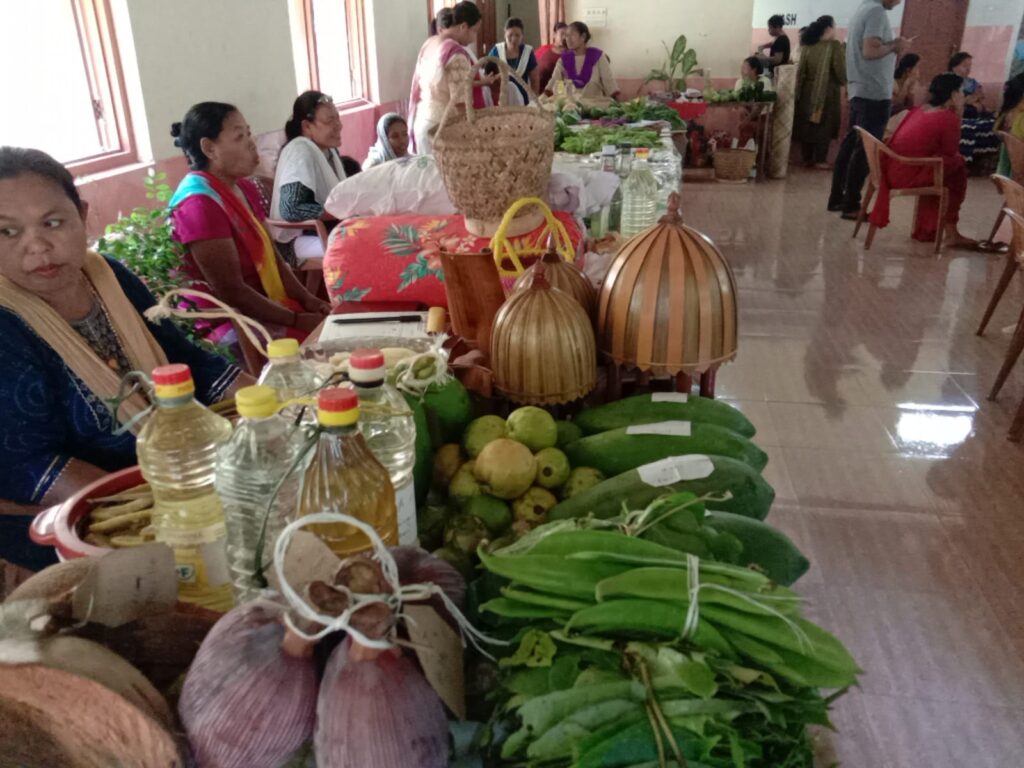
[[542, 345], [668, 304]]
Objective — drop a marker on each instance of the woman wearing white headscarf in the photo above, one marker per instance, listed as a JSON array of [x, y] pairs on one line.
[[392, 140]]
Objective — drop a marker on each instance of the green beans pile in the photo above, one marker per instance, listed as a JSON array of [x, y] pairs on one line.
[[685, 661]]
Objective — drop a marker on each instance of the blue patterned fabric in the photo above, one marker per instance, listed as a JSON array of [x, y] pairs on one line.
[[48, 416]]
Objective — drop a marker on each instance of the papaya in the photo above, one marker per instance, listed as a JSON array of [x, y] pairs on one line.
[[750, 495], [616, 451], [648, 409], [764, 546]]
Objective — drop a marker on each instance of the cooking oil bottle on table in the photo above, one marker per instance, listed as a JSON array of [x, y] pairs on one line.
[[344, 476], [258, 473], [177, 450], [390, 431]]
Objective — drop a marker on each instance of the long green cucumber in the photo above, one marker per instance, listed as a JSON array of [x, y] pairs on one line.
[[615, 451], [644, 409], [751, 495], [770, 549]]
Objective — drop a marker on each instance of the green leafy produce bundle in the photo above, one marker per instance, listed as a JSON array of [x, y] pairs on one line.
[[592, 139]]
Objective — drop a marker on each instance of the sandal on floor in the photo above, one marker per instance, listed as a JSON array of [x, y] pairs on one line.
[[993, 246]]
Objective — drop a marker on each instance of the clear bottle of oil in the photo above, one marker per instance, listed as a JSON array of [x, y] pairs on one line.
[[177, 450], [344, 476]]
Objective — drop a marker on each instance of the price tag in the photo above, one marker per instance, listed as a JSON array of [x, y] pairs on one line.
[[669, 397], [127, 584], [673, 428], [676, 469], [439, 650]]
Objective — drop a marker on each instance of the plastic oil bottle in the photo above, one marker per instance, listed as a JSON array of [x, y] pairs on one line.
[[177, 450], [258, 473], [639, 197], [287, 373], [344, 476], [390, 430]]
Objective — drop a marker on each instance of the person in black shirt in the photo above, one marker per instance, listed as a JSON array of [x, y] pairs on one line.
[[778, 47]]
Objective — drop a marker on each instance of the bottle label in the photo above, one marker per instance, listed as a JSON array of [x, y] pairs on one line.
[[405, 505], [200, 556]]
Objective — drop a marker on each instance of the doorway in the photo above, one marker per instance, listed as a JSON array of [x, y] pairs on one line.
[[528, 11], [939, 27]]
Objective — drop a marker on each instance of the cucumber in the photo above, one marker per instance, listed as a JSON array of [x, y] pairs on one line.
[[751, 495], [614, 452], [423, 468], [641, 409], [763, 545]]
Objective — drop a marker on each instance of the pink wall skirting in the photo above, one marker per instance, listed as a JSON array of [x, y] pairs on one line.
[[115, 192]]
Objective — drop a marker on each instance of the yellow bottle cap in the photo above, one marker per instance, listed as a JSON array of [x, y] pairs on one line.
[[338, 407], [256, 402], [282, 348]]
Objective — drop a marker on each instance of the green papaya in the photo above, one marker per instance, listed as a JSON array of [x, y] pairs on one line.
[[767, 547], [662, 406]]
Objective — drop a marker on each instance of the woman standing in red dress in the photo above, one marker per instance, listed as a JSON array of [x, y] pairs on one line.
[[932, 130]]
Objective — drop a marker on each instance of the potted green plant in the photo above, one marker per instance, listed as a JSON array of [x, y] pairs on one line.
[[142, 241], [679, 63]]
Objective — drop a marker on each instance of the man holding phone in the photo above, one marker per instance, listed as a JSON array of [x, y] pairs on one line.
[[871, 53]]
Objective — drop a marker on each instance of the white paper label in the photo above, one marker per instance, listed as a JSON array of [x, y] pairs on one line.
[[676, 469], [669, 397], [674, 428], [405, 503]]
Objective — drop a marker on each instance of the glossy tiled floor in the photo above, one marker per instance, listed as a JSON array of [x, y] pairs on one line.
[[867, 384]]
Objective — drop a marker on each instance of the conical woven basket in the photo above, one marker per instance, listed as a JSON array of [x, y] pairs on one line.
[[668, 304], [542, 346], [565, 276], [491, 157]]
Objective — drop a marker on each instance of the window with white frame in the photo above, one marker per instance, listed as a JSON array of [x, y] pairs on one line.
[[62, 88], [336, 42]]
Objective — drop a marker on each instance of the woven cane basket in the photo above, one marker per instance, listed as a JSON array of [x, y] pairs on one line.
[[491, 157], [734, 165]]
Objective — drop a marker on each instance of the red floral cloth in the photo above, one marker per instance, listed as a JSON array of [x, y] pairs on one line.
[[398, 258]]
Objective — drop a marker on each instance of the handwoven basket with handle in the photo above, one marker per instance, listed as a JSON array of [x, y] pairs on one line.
[[491, 157]]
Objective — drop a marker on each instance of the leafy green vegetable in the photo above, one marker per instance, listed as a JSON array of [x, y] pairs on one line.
[[593, 138]]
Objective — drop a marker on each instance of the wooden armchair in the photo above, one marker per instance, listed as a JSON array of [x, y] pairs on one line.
[[1017, 342], [1013, 200], [875, 149], [313, 268]]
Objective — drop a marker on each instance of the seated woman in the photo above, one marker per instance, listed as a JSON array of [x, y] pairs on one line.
[[752, 71], [519, 57], [392, 141], [588, 69], [548, 56], [217, 213], [442, 64], [1011, 120], [978, 138], [974, 96], [905, 82], [929, 131], [71, 325]]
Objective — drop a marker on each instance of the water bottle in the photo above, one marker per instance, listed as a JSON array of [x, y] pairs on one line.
[[177, 450], [639, 197], [258, 483], [672, 180], [390, 430], [287, 373]]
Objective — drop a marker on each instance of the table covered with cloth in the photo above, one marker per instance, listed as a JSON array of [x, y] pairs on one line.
[[397, 258]]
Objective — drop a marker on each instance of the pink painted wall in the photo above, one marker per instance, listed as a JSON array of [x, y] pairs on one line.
[[116, 192]]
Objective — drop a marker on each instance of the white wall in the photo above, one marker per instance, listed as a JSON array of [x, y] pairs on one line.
[[238, 51], [396, 29], [718, 30], [808, 10]]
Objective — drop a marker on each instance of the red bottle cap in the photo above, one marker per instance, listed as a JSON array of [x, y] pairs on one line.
[[168, 375], [366, 359], [338, 399]]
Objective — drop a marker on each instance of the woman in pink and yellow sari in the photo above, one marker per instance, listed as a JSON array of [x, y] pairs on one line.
[[588, 69], [443, 64], [218, 213]]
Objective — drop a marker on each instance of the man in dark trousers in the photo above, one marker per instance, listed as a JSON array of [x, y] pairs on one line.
[[871, 53]]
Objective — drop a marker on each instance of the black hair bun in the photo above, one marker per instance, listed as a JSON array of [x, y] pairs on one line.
[[176, 133]]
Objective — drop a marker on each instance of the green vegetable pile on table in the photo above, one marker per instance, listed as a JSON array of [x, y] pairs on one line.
[[630, 652], [634, 111], [593, 138], [748, 92]]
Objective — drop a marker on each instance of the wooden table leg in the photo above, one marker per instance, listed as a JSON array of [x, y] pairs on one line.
[[684, 383], [613, 389], [707, 383]]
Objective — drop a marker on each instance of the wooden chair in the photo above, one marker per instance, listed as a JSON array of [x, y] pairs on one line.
[[874, 149], [1017, 342], [312, 268], [1013, 200]]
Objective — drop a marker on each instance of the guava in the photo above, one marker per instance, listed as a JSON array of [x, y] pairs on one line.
[[482, 431], [552, 468], [464, 484], [581, 479], [505, 468], [567, 433], [447, 461], [494, 512], [532, 507], [533, 427], [464, 533]]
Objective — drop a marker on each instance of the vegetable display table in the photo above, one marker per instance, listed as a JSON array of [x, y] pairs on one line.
[[731, 116]]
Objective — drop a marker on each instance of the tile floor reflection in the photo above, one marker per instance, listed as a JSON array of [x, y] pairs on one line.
[[867, 384]]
